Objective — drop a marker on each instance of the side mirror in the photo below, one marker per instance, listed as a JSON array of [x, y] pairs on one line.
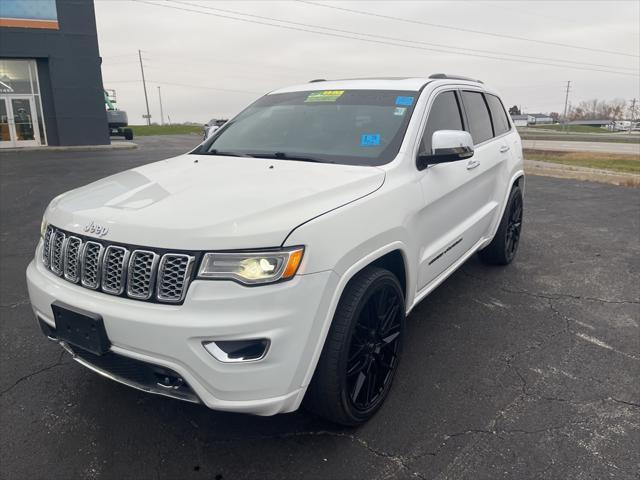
[[447, 146]]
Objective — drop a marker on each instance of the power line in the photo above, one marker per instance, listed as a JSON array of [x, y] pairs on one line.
[[171, 84], [368, 40], [205, 87], [395, 39], [467, 30]]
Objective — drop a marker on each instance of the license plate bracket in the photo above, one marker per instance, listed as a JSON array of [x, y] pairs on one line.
[[80, 328]]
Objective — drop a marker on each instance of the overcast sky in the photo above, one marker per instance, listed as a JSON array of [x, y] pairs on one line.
[[212, 66]]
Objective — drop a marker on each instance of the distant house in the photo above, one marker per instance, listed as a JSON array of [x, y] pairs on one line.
[[539, 119], [520, 120], [602, 123]]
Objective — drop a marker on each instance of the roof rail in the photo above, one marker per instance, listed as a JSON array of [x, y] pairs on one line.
[[317, 80], [444, 76]]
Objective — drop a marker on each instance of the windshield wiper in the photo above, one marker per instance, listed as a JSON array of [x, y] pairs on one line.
[[288, 156], [225, 154]]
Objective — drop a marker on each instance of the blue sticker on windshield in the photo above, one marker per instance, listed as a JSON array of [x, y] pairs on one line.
[[405, 101], [370, 140]]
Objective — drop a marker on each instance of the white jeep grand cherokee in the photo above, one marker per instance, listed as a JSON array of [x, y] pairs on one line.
[[278, 260]]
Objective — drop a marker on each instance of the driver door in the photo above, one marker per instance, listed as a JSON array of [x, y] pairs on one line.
[[448, 222]]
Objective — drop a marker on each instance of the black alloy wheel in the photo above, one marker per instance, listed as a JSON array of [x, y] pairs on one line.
[[373, 353], [362, 350], [514, 227]]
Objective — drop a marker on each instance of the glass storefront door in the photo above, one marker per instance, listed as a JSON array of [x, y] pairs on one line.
[[18, 127], [21, 118]]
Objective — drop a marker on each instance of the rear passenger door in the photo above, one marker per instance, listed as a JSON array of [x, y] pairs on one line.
[[488, 126], [507, 143]]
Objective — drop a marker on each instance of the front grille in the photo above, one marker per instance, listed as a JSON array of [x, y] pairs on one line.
[[117, 269]]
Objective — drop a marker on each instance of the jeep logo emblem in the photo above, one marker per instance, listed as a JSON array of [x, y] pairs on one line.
[[95, 229]]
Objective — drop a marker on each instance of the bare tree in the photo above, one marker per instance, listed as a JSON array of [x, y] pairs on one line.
[[633, 110], [598, 109]]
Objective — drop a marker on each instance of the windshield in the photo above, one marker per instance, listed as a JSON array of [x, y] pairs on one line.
[[354, 127]]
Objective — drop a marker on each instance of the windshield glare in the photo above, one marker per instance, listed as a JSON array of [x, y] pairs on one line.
[[354, 127]]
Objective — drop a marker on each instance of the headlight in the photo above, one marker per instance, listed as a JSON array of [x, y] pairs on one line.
[[252, 268], [43, 228]]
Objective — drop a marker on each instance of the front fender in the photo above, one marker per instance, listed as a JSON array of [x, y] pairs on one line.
[[348, 239]]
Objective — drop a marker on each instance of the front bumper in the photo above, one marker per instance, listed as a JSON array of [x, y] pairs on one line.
[[289, 314]]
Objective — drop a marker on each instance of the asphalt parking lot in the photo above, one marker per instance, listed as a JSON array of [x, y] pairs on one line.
[[529, 371]]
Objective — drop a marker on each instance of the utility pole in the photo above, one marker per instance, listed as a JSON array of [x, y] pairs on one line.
[[144, 86], [632, 114], [161, 112], [566, 103]]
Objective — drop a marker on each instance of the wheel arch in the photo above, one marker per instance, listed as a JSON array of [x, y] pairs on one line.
[[517, 180], [393, 257]]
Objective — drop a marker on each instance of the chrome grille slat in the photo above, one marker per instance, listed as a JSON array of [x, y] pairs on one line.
[[142, 273], [56, 259], [91, 264], [72, 259], [114, 269], [46, 246], [174, 274]]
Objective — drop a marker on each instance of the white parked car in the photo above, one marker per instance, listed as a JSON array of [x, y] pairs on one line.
[[211, 126], [278, 260]]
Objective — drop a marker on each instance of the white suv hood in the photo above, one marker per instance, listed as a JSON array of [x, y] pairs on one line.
[[200, 202]]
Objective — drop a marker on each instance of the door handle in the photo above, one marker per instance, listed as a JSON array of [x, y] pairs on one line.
[[504, 148], [473, 164]]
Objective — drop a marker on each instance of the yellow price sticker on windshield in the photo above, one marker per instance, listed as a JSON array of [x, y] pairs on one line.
[[325, 96]]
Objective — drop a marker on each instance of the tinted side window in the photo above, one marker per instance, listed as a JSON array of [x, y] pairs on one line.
[[478, 116], [444, 115], [499, 116]]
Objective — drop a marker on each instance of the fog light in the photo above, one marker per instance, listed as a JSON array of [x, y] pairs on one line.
[[237, 351]]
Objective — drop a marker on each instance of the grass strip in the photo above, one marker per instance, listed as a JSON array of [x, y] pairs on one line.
[[613, 162]]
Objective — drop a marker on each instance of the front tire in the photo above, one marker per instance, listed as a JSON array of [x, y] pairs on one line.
[[362, 350], [502, 249]]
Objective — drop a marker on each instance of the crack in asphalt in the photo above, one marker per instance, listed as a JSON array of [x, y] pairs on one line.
[[553, 296], [624, 402], [401, 462], [16, 304], [33, 374]]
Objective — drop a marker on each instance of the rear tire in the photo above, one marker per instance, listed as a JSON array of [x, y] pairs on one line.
[[504, 246], [128, 134], [362, 350]]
